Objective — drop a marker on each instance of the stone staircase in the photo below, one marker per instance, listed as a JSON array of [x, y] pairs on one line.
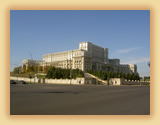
[[98, 80]]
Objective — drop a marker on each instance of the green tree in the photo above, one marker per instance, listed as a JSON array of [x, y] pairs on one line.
[[46, 68], [79, 75], [63, 73], [50, 72], [128, 76], [104, 75], [35, 68], [57, 73], [66, 73], [147, 78], [121, 75], [17, 69], [111, 75], [132, 76], [115, 74], [137, 76], [108, 75], [30, 69]]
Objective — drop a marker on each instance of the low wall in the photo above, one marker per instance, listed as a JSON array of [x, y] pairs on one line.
[[115, 81], [135, 83], [120, 81], [65, 81], [77, 81], [33, 80]]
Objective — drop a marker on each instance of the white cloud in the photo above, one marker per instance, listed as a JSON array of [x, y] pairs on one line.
[[128, 50], [135, 61]]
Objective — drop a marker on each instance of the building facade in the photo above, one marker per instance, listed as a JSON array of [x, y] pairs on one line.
[[87, 57], [28, 62]]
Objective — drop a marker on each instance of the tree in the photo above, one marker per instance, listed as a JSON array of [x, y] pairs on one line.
[[66, 73], [46, 68], [17, 69], [146, 78], [137, 76], [40, 69], [132, 77], [115, 74], [100, 74], [35, 68], [30, 69], [79, 75], [24, 69], [50, 72], [128, 76], [57, 74], [108, 75], [104, 75], [122, 75], [63, 73], [111, 75]]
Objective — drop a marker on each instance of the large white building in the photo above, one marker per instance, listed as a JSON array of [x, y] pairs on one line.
[[87, 57]]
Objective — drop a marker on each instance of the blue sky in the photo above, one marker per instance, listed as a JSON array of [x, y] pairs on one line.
[[37, 32]]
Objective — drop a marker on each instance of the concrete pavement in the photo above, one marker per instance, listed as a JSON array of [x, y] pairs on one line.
[[43, 99]]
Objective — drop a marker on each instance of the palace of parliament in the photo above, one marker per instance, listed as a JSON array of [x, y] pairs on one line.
[[87, 57]]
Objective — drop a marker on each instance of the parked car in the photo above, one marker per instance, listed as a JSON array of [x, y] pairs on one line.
[[22, 82], [13, 82]]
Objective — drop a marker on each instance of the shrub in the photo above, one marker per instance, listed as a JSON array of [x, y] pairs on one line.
[[58, 73]]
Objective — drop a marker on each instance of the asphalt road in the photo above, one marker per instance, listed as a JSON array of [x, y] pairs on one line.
[[43, 99]]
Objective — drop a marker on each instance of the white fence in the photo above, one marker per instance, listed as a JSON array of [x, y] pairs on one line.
[[77, 81], [65, 81], [33, 80]]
